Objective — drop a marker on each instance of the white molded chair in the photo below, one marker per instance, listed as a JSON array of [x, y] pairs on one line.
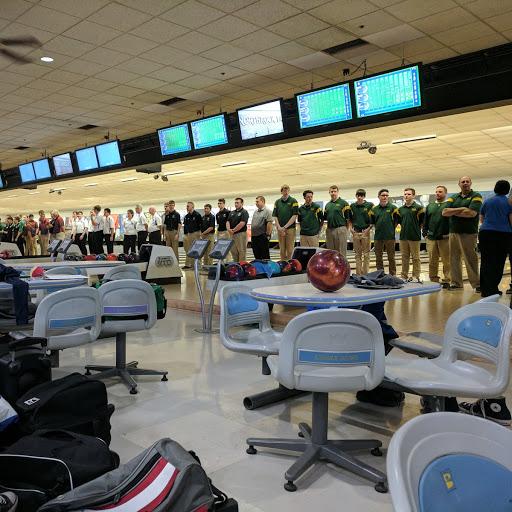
[[327, 351], [450, 462], [122, 272], [481, 330], [127, 305], [58, 271], [427, 344]]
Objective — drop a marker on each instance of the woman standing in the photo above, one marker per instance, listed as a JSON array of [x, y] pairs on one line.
[[130, 233], [43, 231]]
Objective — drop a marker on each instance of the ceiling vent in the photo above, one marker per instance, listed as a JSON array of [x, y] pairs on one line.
[[171, 101], [337, 50], [88, 127]]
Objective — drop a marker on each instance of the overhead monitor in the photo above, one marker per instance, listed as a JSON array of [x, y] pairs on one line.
[[209, 132], [324, 106], [42, 169], [27, 173], [62, 164], [388, 92], [86, 159], [261, 120], [174, 139], [109, 154]]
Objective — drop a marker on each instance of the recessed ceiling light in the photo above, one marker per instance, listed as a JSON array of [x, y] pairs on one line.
[[315, 151], [173, 173], [91, 185], [9, 197], [47, 59], [32, 193], [230, 164], [129, 179], [414, 139]]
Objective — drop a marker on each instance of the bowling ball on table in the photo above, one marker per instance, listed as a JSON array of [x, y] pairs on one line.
[[90, 257], [129, 258], [249, 270], [286, 268], [121, 257], [328, 271], [135, 258], [37, 272], [296, 265], [111, 257], [101, 257], [274, 267], [234, 272]]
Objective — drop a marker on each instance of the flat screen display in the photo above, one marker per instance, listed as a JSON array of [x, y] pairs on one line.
[[86, 159], [108, 154], [174, 139], [27, 173], [209, 132], [62, 164], [389, 92], [42, 169], [261, 120], [330, 105]]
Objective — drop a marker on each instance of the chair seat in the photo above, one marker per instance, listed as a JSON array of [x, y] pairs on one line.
[[419, 343], [437, 377], [260, 343]]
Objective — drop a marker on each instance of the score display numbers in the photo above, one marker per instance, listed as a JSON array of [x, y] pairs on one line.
[[209, 132], [174, 139], [325, 106], [389, 92]]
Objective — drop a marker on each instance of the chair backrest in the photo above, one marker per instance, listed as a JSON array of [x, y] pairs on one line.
[[127, 305], [58, 271], [332, 350], [122, 272], [446, 461], [68, 318]]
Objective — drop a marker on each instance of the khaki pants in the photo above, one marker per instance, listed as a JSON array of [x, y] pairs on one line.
[[43, 242], [309, 240], [188, 240], [336, 238], [410, 249], [286, 244], [206, 258], [389, 247], [239, 249], [224, 235], [30, 248], [436, 249], [462, 246], [361, 243], [58, 236], [172, 242]]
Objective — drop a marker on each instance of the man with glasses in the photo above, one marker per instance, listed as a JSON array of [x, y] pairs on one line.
[[361, 228]]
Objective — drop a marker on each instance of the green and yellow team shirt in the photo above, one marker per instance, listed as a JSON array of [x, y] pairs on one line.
[[435, 226], [310, 219], [284, 210], [337, 213], [385, 219], [411, 220], [465, 225], [361, 214]]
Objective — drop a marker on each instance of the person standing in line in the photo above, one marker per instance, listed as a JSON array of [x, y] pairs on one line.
[[261, 229], [237, 228], [361, 228], [208, 232], [95, 231], [463, 210], [141, 223], [30, 234], [130, 233], [191, 231], [222, 217], [435, 231], [43, 232], [411, 216], [9, 230], [495, 238], [338, 216], [57, 231], [79, 232], [311, 219], [109, 230], [286, 209], [384, 217], [171, 228], [154, 227], [19, 239]]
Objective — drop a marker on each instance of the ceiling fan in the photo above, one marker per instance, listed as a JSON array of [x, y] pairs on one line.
[[18, 41]]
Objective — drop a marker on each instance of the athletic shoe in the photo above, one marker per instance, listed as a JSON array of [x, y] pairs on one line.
[[8, 502], [381, 396], [494, 409], [446, 285], [477, 289], [186, 267], [455, 287]]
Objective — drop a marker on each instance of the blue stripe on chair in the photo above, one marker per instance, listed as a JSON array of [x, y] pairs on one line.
[[484, 328], [142, 309], [65, 323], [352, 358]]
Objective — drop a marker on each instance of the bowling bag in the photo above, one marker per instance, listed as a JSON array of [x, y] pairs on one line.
[[165, 477], [161, 301]]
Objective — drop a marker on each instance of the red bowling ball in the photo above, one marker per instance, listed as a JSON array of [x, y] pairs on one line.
[[328, 271]]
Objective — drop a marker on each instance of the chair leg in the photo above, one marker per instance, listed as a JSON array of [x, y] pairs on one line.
[[305, 431], [291, 445], [355, 445], [312, 455]]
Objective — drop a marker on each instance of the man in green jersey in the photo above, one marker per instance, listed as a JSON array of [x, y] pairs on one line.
[[361, 227], [411, 215], [286, 209], [435, 231], [463, 210], [338, 215], [310, 219], [384, 217]]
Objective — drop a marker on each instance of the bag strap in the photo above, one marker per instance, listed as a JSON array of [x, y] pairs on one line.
[[219, 498]]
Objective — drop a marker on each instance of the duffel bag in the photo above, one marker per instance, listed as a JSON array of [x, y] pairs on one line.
[[161, 301], [39, 467], [73, 403]]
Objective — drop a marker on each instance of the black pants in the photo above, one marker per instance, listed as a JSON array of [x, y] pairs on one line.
[[96, 242], [142, 237], [109, 243], [494, 249], [81, 243], [129, 244], [155, 237], [260, 249]]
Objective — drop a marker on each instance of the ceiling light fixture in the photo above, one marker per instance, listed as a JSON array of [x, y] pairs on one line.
[[124, 180], [47, 59], [231, 164], [10, 197], [173, 173], [91, 185], [32, 193], [414, 139], [315, 151]]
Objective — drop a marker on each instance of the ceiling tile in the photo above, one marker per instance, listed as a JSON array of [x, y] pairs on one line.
[[14, 78], [159, 30], [327, 38], [464, 33], [47, 85], [410, 10], [393, 36], [91, 33], [298, 26], [442, 53], [146, 82], [192, 14], [267, 12], [84, 67], [371, 23], [137, 65], [479, 43], [260, 40], [196, 64], [306, 5], [198, 82], [105, 56], [489, 8], [385, 3], [17, 29], [165, 55], [47, 19], [29, 69], [172, 90], [126, 91], [226, 53], [228, 28], [120, 17], [68, 46], [119, 76], [11, 9], [199, 95], [96, 84], [414, 47], [170, 74], [288, 51], [227, 5], [131, 44], [194, 42], [78, 8], [376, 58], [336, 11], [444, 20], [255, 62], [281, 70], [224, 72], [78, 92], [154, 7], [313, 60], [502, 22]]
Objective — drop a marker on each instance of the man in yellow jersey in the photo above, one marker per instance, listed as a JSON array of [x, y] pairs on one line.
[[361, 228], [311, 220], [338, 215], [286, 209]]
